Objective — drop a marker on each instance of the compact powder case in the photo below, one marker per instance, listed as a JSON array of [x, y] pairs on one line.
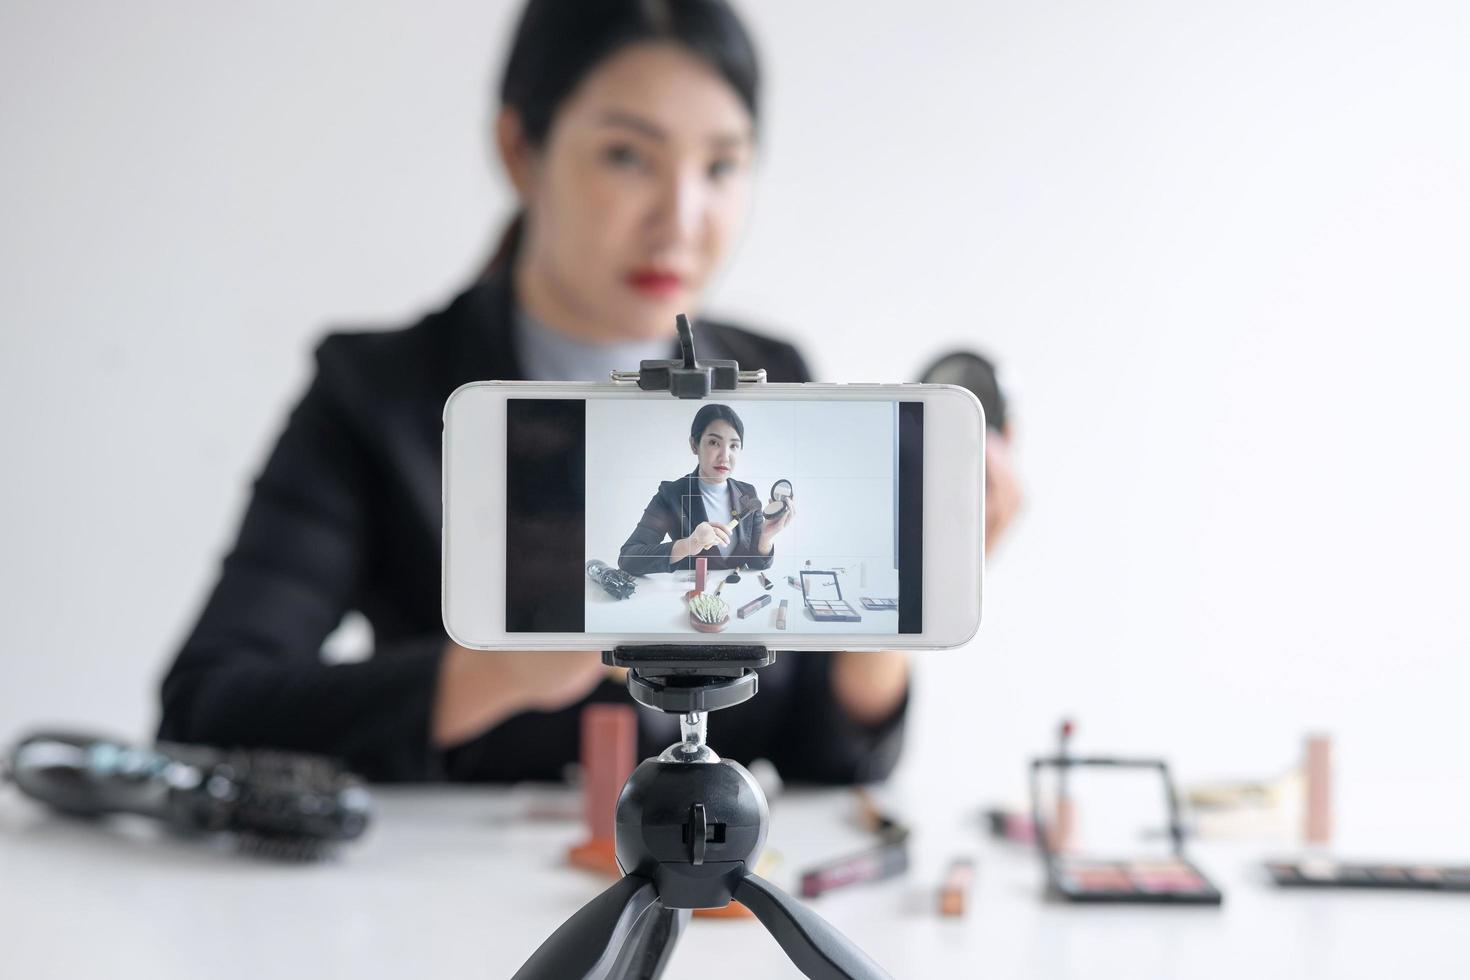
[[780, 493]]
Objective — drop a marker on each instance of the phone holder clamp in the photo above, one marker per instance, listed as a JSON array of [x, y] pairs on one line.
[[687, 376]]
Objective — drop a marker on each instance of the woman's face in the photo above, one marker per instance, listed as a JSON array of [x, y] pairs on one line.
[[636, 196], [717, 450]]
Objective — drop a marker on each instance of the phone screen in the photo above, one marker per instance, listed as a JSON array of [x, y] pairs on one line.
[[621, 512]]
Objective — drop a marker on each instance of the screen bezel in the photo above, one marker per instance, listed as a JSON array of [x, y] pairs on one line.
[[474, 560]]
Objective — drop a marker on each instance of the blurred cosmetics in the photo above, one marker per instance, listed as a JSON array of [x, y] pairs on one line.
[[609, 751], [1326, 873], [1065, 819], [955, 891], [975, 372], [1317, 813], [1081, 877], [1295, 804], [1159, 880], [1010, 825], [886, 860]]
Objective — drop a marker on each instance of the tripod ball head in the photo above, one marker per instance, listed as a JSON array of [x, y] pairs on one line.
[[696, 829]]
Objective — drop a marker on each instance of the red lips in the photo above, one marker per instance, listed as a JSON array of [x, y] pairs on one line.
[[658, 283]]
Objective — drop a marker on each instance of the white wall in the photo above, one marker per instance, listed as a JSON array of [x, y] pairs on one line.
[[1221, 248]]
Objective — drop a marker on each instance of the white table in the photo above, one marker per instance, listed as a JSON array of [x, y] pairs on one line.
[[467, 882]]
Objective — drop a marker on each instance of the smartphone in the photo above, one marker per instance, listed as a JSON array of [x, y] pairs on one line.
[[595, 516]]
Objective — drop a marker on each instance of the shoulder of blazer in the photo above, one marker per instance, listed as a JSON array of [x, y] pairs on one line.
[[414, 369], [743, 489]]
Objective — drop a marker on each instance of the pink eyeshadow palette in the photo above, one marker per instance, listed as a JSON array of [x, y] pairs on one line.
[[1326, 873], [1162, 879], [1155, 880]]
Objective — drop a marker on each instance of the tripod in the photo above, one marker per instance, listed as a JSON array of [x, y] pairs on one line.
[[689, 828]]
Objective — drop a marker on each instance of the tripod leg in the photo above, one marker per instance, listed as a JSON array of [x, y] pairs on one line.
[[650, 947], [587, 944], [818, 950]]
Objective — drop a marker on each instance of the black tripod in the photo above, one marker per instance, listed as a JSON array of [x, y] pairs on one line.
[[689, 828]]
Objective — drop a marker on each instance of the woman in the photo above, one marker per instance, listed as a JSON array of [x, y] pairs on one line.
[[695, 512], [627, 129]]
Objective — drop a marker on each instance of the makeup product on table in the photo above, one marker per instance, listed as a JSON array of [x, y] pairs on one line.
[[886, 860], [701, 566], [956, 887], [616, 582], [781, 616], [733, 578], [1082, 873], [766, 583], [1010, 825], [1317, 809], [879, 605], [1326, 873], [1296, 802], [822, 594], [286, 806], [609, 752], [759, 602], [708, 613], [1065, 818]]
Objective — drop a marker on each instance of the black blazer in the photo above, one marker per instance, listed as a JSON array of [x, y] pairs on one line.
[[675, 511], [346, 516]]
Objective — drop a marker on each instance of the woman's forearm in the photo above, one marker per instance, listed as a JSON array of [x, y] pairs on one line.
[[479, 689], [870, 686], [471, 697], [682, 549]]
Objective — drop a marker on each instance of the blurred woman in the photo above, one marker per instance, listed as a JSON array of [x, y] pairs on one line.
[[627, 129]]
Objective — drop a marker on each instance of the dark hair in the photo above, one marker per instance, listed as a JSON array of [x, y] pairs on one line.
[[558, 42], [715, 413]]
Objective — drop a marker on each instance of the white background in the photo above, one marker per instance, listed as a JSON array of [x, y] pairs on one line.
[[1220, 248]]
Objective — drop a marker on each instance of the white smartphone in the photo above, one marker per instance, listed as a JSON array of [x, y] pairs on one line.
[[791, 516]]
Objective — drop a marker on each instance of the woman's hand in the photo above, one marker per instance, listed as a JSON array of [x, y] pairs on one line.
[[870, 686], [479, 689], [705, 535], [1002, 486], [769, 528]]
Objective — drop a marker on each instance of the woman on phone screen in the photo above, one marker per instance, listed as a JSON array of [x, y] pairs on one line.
[[706, 513]]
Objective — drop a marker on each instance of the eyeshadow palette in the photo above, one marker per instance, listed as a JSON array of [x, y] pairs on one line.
[[1153, 880], [881, 605], [1327, 873], [826, 610]]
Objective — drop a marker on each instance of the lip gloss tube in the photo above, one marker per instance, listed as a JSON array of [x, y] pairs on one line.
[[754, 604]]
